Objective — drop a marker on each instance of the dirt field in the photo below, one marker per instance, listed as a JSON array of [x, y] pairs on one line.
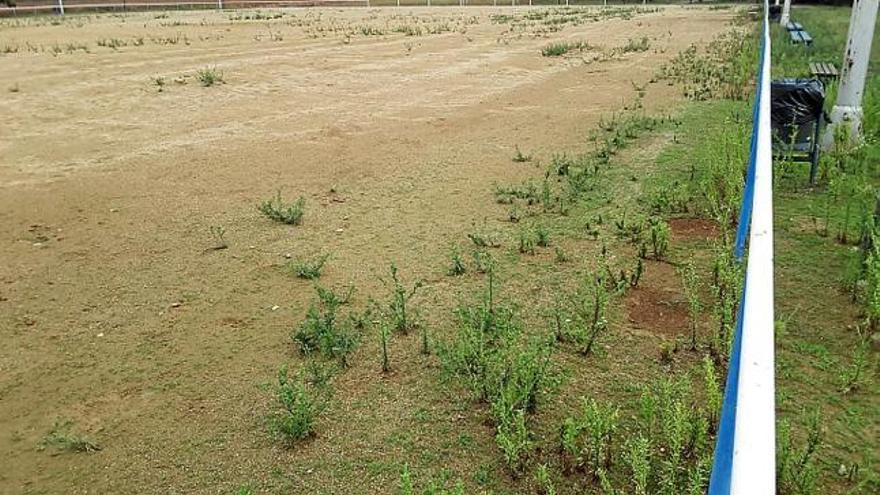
[[114, 314]]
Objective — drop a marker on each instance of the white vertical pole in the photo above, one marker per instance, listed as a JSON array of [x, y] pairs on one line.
[[776, 2], [220, 4], [753, 471], [786, 13], [848, 107], [61, 7]]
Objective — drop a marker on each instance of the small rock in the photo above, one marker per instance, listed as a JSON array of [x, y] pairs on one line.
[[101, 334], [252, 247], [38, 244], [842, 470], [340, 230], [175, 305], [275, 307], [114, 210], [287, 255]]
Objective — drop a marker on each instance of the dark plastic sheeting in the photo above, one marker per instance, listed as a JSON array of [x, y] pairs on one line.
[[795, 106]]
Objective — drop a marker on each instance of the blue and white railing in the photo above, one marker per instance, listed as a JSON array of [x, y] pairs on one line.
[[745, 450]]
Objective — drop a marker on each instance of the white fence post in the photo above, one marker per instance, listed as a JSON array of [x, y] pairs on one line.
[[61, 7], [220, 4], [848, 107], [786, 13]]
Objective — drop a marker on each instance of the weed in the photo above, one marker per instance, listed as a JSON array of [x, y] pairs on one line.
[[483, 261], [635, 45], [300, 407], [405, 486], [276, 209], [561, 48], [159, 82], [309, 269], [714, 396], [514, 440], [638, 457], [62, 438], [854, 376], [457, 266], [796, 471], [526, 242], [322, 331], [514, 214], [218, 234], [209, 76], [542, 236], [519, 157], [384, 337], [691, 283], [560, 255], [659, 237], [401, 314], [545, 483], [588, 438], [482, 240]]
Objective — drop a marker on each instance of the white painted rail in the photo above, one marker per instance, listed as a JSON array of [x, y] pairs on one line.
[[745, 452]]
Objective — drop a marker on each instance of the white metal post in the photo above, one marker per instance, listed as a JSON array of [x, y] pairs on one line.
[[220, 4], [848, 107], [776, 3], [786, 13], [61, 7]]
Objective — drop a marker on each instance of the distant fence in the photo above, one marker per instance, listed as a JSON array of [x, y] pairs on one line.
[[30, 7]]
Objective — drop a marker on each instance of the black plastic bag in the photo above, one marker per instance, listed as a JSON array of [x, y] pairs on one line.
[[795, 107]]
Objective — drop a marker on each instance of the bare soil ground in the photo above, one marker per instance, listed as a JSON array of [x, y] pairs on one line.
[[112, 313]]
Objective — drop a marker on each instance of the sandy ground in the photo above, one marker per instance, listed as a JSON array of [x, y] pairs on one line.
[[113, 314]]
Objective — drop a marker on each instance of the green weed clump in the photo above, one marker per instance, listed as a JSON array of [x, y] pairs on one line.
[[289, 213], [62, 438], [457, 266], [796, 469], [519, 157], [309, 269], [509, 373], [665, 449], [300, 404], [209, 76], [402, 317], [725, 70], [323, 331], [559, 49], [583, 321], [406, 486]]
